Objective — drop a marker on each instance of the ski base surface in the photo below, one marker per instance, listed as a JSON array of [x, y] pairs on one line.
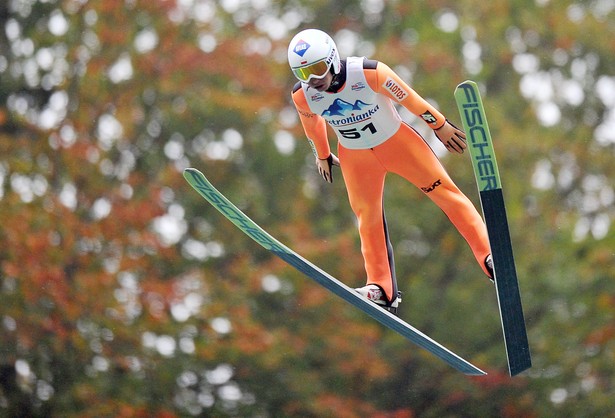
[[200, 183], [487, 175]]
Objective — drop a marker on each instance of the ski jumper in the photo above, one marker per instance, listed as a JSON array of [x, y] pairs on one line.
[[373, 141]]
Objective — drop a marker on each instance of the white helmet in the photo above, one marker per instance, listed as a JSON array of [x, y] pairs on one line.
[[311, 53]]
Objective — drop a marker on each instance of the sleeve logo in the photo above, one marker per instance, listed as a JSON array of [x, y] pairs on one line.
[[429, 118], [395, 89]]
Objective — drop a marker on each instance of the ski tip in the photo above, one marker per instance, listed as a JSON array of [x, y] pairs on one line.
[[188, 171], [463, 87], [467, 82]]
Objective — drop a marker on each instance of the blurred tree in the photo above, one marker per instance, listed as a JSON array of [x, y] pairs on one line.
[[124, 294]]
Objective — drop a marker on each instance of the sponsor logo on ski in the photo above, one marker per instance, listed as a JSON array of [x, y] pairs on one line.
[[395, 89], [234, 215], [478, 135]]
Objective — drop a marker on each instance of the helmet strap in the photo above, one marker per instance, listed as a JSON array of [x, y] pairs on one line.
[[338, 79]]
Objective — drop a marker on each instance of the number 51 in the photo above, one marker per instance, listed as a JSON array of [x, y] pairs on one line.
[[355, 134]]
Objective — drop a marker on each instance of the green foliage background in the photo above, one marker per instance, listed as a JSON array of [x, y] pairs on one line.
[[124, 294]]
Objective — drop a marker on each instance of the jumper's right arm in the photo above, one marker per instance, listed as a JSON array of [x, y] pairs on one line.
[[387, 82], [315, 129], [314, 125]]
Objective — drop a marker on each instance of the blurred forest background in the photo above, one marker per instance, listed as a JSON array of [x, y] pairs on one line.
[[122, 293]]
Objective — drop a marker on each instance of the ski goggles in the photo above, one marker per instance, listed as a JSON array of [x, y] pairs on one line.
[[317, 70]]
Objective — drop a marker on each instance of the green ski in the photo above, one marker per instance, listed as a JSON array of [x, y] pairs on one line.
[[200, 183], [485, 166]]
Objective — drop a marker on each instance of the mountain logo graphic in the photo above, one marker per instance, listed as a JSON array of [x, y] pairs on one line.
[[342, 108]]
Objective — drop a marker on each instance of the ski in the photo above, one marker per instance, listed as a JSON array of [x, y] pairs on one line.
[[487, 176], [200, 183]]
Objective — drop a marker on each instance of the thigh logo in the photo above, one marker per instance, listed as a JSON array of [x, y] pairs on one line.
[[432, 187]]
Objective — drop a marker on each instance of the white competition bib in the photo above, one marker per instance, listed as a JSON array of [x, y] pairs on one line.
[[361, 118]]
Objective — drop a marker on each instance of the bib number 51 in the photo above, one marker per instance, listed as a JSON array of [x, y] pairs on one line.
[[355, 133]]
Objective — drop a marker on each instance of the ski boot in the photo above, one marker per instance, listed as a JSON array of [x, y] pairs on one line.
[[374, 293], [489, 265]]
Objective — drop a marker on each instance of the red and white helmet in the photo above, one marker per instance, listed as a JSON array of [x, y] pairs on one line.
[[311, 54]]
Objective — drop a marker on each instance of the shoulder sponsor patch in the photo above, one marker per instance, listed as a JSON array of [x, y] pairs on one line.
[[395, 89]]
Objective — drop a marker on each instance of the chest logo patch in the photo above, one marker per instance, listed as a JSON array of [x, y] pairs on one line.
[[342, 108]]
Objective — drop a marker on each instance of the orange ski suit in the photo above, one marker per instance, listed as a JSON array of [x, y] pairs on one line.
[[404, 153]]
